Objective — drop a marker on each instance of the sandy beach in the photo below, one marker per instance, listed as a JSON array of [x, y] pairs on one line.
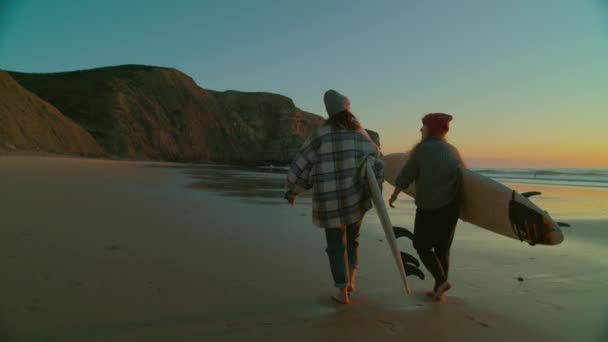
[[98, 250]]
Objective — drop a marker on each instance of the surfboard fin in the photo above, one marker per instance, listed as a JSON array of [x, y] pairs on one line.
[[411, 265], [528, 224], [400, 231], [412, 270], [409, 259], [530, 194], [563, 224]]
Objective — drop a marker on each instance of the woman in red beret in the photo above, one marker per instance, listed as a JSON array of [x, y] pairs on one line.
[[435, 167]]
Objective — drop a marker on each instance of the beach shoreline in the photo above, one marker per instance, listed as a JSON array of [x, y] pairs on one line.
[[117, 250]]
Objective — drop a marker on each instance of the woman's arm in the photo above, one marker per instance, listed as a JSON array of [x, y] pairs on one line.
[[393, 197], [408, 174], [457, 153], [298, 176]]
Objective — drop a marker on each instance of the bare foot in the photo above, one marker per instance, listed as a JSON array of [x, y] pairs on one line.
[[341, 298], [351, 284], [430, 294], [441, 289], [439, 298]]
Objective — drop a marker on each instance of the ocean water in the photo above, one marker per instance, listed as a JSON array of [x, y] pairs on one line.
[[567, 194], [597, 178]]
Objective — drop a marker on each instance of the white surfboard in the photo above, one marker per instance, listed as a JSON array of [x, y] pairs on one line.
[[493, 206], [385, 220]]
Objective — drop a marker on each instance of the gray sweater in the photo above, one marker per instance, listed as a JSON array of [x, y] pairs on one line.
[[435, 167]]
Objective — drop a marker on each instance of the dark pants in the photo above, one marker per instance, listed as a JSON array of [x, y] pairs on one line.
[[433, 235], [343, 252]]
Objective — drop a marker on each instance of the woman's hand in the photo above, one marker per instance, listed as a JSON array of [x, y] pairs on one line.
[[291, 200], [393, 197]]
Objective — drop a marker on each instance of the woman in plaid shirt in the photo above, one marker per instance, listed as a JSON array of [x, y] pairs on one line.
[[330, 163]]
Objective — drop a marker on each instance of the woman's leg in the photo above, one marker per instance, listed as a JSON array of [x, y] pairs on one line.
[[352, 250], [442, 249], [424, 238], [448, 218], [445, 235], [336, 251]]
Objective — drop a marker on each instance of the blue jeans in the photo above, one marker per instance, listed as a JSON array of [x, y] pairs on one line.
[[343, 251]]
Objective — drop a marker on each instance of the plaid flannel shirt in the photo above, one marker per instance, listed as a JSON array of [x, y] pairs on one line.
[[330, 162]]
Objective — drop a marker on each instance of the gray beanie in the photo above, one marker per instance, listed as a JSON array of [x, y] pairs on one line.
[[335, 102]]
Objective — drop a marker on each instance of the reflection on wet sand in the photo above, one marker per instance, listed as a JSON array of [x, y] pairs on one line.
[[260, 185]]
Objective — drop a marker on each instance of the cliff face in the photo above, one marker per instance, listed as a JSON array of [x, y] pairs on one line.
[[28, 122], [275, 123], [160, 113]]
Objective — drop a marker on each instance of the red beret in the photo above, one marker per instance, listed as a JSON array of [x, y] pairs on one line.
[[438, 123]]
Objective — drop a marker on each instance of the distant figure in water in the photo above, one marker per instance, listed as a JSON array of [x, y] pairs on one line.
[[435, 167], [329, 162]]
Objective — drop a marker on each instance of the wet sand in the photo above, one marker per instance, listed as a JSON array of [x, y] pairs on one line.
[[97, 250]]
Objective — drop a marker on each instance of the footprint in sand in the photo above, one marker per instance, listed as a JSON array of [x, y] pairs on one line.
[[390, 327], [34, 305], [231, 325], [471, 318], [550, 305]]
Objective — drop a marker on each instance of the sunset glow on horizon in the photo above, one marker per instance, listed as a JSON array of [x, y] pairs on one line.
[[525, 81], [592, 153]]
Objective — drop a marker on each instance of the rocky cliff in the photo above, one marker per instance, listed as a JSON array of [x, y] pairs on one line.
[[158, 113], [30, 123]]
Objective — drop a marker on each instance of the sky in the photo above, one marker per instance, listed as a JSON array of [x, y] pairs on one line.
[[526, 80]]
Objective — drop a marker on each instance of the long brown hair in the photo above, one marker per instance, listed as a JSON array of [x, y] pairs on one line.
[[343, 120]]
